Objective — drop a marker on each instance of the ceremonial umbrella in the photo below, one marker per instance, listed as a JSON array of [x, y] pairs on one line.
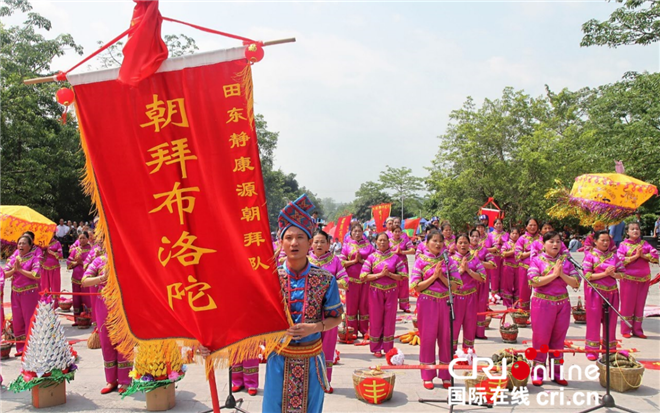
[[16, 220], [601, 197]]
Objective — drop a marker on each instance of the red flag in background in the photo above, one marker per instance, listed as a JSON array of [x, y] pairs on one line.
[[343, 223], [411, 223], [145, 50], [380, 213], [329, 229]]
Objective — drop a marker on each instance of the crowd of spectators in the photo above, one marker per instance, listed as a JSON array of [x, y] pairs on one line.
[[67, 233]]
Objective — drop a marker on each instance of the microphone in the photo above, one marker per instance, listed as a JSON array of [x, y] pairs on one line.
[[445, 256], [575, 263]]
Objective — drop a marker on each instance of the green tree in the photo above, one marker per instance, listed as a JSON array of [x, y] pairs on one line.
[[41, 157], [280, 187], [636, 22], [511, 149], [404, 188], [624, 120], [333, 209], [370, 194]]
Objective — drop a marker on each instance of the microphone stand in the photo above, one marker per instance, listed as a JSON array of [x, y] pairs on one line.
[[452, 317], [606, 401], [230, 403]]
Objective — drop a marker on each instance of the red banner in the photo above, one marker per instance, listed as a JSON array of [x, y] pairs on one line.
[[329, 229], [411, 223], [492, 215], [380, 213], [173, 167], [343, 225]]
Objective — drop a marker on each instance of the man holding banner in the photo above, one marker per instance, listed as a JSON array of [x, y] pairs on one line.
[[296, 374]]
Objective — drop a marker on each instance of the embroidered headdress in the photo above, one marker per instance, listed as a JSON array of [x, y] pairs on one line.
[[296, 214]]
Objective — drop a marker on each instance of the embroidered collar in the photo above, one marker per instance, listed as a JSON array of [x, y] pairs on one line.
[[293, 274], [385, 254], [359, 244], [633, 244], [322, 260], [22, 258], [460, 256], [430, 257]]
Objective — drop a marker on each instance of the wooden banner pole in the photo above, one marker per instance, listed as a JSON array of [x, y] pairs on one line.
[[53, 78]]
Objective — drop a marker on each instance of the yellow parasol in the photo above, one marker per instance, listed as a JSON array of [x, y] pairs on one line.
[[601, 197], [15, 220]]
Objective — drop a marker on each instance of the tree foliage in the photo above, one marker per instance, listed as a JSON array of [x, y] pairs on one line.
[[404, 188], [41, 157], [280, 187], [515, 148], [370, 193], [636, 22]]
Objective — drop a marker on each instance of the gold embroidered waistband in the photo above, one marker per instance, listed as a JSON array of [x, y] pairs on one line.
[[24, 289], [551, 297], [466, 292], [642, 279], [302, 351], [384, 287], [606, 288], [435, 294], [508, 264]]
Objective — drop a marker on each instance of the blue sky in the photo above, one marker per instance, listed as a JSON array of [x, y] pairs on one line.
[[372, 84]]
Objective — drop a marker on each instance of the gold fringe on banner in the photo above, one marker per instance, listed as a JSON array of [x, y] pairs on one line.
[[118, 328]]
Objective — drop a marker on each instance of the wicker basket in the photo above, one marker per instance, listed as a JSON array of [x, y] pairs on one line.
[[478, 383], [509, 335], [514, 382], [580, 316], [65, 305], [520, 318], [5, 349], [488, 320], [621, 379], [361, 375], [83, 321], [346, 334]]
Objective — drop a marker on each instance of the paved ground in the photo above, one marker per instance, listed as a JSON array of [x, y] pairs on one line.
[[193, 394]]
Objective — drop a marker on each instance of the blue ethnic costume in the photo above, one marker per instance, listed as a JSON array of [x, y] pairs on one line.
[[296, 374]]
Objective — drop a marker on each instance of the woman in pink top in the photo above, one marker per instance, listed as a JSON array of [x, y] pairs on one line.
[[75, 262], [472, 274], [402, 247], [509, 275], [51, 278], [479, 250], [381, 271], [602, 267], [322, 257], [429, 279], [494, 243], [550, 273], [356, 249], [449, 242], [636, 255], [116, 365], [23, 268], [523, 255]]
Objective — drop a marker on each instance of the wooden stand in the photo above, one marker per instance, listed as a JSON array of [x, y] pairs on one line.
[[48, 396], [161, 399]]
